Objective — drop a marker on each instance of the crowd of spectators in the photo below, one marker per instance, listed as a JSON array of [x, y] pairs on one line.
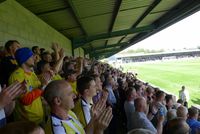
[[48, 92]]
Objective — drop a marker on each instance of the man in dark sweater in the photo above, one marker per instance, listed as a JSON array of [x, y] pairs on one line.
[[8, 63]]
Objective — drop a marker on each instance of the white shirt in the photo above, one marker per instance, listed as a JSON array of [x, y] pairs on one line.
[[58, 127], [184, 95], [86, 110]]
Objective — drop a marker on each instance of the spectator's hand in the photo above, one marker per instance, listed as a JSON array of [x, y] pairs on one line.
[[80, 59], [52, 73], [8, 94], [62, 53], [161, 119], [154, 109], [85, 62], [149, 100], [105, 95], [103, 121], [115, 86], [98, 108], [46, 77], [55, 46]]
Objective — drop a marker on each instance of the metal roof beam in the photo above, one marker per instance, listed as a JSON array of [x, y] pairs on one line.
[[109, 46], [51, 11], [65, 29], [74, 13], [79, 42], [99, 56], [114, 16], [149, 9], [105, 51]]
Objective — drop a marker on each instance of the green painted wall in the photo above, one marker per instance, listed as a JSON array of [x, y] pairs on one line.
[[79, 52], [16, 22]]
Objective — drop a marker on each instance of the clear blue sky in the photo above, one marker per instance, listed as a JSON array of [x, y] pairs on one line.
[[184, 34]]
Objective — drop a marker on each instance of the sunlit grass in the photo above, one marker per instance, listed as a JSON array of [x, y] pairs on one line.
[[171, 75]]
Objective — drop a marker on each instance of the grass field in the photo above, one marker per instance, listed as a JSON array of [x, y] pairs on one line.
[[171, 75]]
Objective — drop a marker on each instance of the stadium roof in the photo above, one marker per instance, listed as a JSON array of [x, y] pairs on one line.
[[105, 27]]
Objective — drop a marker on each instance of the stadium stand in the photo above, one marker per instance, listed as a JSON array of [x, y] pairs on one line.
[[57, 90], [158, 56]]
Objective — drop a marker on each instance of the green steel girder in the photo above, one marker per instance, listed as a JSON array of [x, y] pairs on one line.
[[106, 55], [109, 46], [105, 51], [51, 11], [65, 29], [74, 13], [79, 42], [114, 16], [117, 46], [149, 9]]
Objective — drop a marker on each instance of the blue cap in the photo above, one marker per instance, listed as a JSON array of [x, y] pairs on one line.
[[22, 55]]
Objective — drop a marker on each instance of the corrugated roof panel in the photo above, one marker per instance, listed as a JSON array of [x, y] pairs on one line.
[[88, 47], [86, 8], [60, 19], [165, 5], [98, 43], [106, 49], [114, 40], [102, 50], [130, 4], [128, 37], [113, 48], [37, 6], [97, 24], [150, 19], [74, 32], [125, 19]]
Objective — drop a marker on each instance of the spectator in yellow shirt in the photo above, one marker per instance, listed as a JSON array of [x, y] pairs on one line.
[[28, 106]]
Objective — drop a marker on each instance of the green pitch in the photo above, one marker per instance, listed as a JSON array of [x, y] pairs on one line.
[[171, 75]]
